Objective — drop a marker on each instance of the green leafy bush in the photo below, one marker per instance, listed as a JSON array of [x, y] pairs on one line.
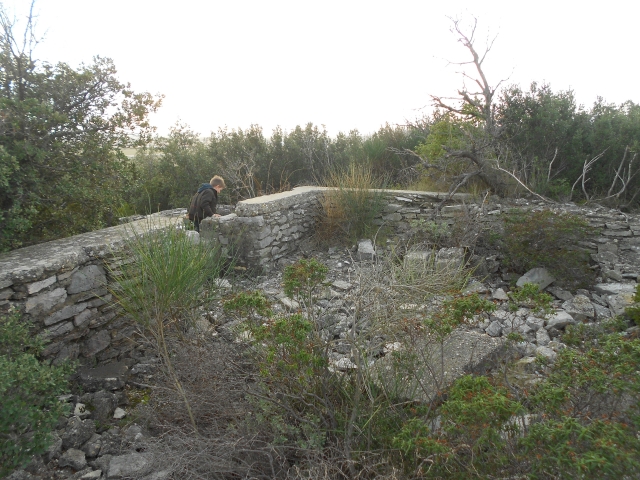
[[247, 304], [529, 295], [470, 437], [302, 278], [633, 312], [547, 239], [29, 390], [456, 311]]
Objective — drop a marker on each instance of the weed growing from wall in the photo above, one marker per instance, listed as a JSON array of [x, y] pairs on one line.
[[351, 206], [167, 278]]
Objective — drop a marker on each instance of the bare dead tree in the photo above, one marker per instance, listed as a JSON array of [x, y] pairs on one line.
[[588, 164], [624, 175], [476, 105]]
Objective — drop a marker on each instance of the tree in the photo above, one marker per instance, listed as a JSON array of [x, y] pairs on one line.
[[474, 115], [62, 129]]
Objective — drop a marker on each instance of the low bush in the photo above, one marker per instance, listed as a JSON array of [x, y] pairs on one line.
[[550, 240], [29, 390], [529, 295]]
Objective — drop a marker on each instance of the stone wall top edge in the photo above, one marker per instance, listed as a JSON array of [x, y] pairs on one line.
[[273, 202], [31, 263]]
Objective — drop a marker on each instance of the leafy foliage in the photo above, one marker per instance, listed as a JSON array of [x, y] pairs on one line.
[[302, 278], [29, 390], [530, 296], [456, 311], [62, 170]]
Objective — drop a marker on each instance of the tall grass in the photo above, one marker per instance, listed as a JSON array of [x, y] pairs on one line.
[[350, 208], [166, 277]]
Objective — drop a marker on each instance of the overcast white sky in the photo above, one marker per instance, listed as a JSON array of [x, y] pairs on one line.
[[345, 64]]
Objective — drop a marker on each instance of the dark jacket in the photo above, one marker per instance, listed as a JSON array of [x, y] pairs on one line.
[[204, 203]]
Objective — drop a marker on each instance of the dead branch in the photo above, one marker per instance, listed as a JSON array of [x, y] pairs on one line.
[[551, 164], [583, 176], [514, 176], [618, 176]]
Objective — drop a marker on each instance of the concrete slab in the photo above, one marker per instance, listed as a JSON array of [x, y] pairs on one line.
[[425, 372]]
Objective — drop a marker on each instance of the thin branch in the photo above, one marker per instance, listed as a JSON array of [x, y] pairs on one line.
[[585, 169], [551, 164], [523, 185]]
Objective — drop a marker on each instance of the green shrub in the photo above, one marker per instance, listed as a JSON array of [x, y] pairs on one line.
[[247, 304], [633, 312], [302, 278], [471, 439], [547, 239], [29, 390], [529, 295], [456, 311]]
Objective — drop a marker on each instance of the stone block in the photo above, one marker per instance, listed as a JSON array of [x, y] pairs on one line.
[[37, 286], [67, 312], [87, 278], [106, 377], [67, 352], [45, 302], [58, 330], [73, 458], [538, 276], [463, 352], [366, 250], [130, 465], [83, 318], [559, 320], [580, 308], [96, 343], [392, 217]]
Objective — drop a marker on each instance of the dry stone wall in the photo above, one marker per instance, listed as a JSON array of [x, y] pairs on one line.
[[61, 287]]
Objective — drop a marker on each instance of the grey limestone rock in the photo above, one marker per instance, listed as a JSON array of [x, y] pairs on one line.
[[580, 308], [96, 343], [111, 376], [46, 301], [542, 337], [35, 287], [123, 466], [494, 329], [547, 353], [366, 251], [538, 276], [92, 447], [77, 432], [87, 278], [73, 458], [499, 294], [104, 403], [535, 323], [559, 319], [67, 312]]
